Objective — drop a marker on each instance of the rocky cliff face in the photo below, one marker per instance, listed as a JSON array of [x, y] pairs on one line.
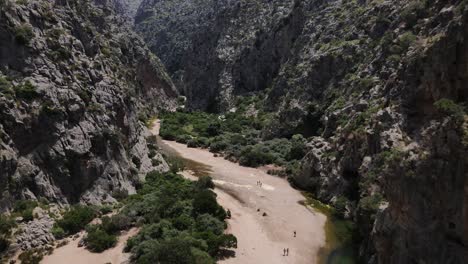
[[73, 85], [127, 8], [379, 86]]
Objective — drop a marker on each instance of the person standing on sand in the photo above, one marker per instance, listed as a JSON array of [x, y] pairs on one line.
[[287, 252], [294, 233]]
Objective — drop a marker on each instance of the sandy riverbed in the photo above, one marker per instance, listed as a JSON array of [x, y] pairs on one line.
[[261, 239], [72, 254]]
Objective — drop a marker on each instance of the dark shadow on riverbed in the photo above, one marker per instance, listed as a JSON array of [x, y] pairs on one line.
[[198, 169]]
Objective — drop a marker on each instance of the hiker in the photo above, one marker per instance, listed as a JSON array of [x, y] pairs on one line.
[[284, 252], [294, 233], [287, 252]]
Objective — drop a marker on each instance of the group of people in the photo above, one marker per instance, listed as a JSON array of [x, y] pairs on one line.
[[259, 183], [286, 250]]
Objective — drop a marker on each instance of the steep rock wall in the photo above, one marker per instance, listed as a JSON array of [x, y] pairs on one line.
[[74, 83]]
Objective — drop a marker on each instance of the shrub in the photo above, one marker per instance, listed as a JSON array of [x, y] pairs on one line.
[[406, 40], [76, 219], [206, 222], [58, 232], [370, 204], [98, 240], [27, 215], [205, 202], [254, 157], [340, 206], [205, 182], [25, 209], [116, 223], [6, 224], [218, 145], [120, 194], [26, 91], [415, 10], [449, 107], [5, 86], [173, 251], [298, 148], [61, 54], [24, 34], [105, 209], [32, 256], [213, 129]]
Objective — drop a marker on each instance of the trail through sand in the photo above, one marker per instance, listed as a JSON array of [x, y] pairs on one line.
[[72, 254], [261, 239]]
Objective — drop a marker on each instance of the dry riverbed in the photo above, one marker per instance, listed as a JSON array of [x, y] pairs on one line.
[[263, 218]]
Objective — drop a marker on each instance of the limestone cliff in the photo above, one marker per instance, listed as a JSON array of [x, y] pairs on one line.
[[74, 83]]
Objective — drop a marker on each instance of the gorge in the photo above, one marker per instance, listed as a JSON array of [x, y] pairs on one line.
[[360, 105]]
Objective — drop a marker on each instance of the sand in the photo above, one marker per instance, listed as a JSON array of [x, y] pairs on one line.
[[72, 254], [261, 239]]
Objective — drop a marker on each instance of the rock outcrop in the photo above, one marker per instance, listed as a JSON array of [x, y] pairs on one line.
[[379, 86], [75, 84]]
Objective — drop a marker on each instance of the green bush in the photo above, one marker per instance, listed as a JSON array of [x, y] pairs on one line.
[[6, 224], [27, 215], [25, 209], [173, 251], [5, 86], [207, 222], [26, 91], [449, 107], [32, 256], [98, 240], [205, 182], [370, 204], [105, 209], [205, 202], [255, 156], [413, 11], [174, 211], [76, 219], [406, 40], [24, 34], [57, 232]]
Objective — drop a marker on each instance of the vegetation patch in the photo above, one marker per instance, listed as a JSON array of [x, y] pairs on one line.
[[75, 219], [235, 135], [181, 221]]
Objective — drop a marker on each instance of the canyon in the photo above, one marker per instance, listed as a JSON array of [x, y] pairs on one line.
[[360, 104]]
